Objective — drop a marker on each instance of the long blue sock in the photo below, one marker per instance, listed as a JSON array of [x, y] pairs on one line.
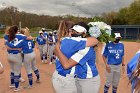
[[45, 56], [16, 80], [12, 77], [37, 73], [20, 75], [54, 57], [41, 57], [106, 88], [114, 89], [30, 78], [51, 58]]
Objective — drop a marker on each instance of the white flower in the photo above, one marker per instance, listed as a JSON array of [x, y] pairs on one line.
[[94, 31], [108, 29], [96, 27]]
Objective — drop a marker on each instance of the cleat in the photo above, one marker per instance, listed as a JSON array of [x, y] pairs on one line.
[[38, 81], [28, 87], [16, 89], [12, 86]]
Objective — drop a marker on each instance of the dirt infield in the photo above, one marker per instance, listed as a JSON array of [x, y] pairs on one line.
[[46, 71]]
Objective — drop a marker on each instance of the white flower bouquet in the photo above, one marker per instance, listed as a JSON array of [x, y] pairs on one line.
[[101, 31]]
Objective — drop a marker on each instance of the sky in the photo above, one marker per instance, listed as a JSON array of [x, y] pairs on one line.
[[85, 8]]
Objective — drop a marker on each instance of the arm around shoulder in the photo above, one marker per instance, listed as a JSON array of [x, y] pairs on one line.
[[29, 38], [91, 41]]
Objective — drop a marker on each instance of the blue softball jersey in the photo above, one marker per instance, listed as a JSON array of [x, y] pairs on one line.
[[69, 46], [51, 39], [40, 40], [86, 67], [131, 66], [27, 46], [45, 34], [114, 53], [56, 38], [18, 39]]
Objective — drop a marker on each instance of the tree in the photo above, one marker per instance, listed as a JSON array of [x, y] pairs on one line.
[[133, 14]]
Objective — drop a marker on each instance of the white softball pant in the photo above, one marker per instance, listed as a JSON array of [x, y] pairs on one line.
[[15, 61], [50, 50], [89, 85], [63, 84], [30, 62], [43, 50], [113, 77]]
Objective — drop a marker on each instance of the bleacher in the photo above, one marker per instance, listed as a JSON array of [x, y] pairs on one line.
[[127, 31]]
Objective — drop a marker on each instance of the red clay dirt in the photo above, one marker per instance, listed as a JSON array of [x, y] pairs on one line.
[[47, 70]]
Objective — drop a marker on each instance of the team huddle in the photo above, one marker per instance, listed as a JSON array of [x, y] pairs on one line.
[[71, 49]]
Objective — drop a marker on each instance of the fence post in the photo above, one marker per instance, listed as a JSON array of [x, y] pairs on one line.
[[138, 34], [124, 32]]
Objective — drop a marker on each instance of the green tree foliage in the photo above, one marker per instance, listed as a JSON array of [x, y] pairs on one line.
[[127, 15], [121, 17], [110, 18], [133, 14]]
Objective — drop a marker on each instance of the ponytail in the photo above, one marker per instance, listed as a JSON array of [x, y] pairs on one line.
[[12, 32], [64, 27]]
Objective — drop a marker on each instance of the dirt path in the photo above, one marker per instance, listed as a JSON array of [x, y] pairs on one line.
[[46, 71]]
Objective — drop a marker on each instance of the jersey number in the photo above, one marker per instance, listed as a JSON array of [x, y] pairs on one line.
[[15, 40], [40, 39], [117, 56], [29, 45]]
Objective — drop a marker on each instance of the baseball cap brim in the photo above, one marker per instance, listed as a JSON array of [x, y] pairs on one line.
[[40, 32], [117, 35], [79, 28]]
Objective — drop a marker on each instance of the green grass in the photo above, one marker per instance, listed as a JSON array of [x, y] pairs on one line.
[[129, 40], [35, 29], [34, 34], [1, 34]]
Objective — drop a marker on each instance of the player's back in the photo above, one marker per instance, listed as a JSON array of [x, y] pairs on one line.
[[27, 46]]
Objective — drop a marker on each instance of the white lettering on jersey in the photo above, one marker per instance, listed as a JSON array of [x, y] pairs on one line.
[[115, 51]]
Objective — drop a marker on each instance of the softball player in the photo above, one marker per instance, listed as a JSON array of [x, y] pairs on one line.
[[55, 39], [45, 34], [41, 44], [88, 80], [14, 56], [55, 36], [63, 78], [51, 43], [133, 72], [113, 57], [28, 57]]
